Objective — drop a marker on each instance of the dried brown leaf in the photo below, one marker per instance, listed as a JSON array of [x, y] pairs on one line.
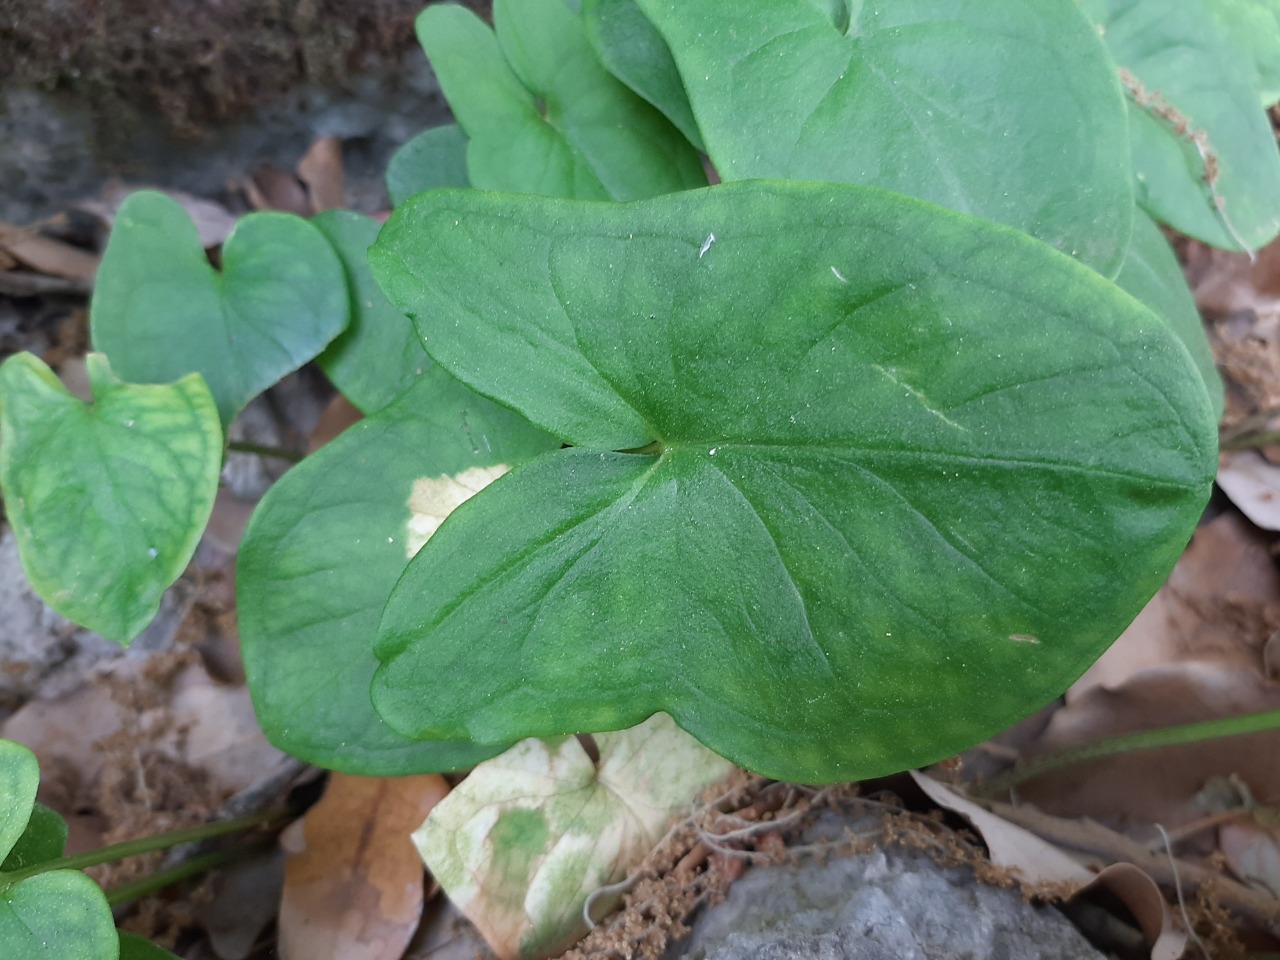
[[320, 170], [47, 256], [354, 881]]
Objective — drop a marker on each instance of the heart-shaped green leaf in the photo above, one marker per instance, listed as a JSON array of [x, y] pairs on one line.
[[1197, 133], [19, 779], [61, 915], [161, 311], [543, 116], [107, 499], [899, 475], [44, 839], [323, 551], [633, 50], [1253, 26], [522, 843], [434, 158], [1151, 273], [1009, 111], [378, 357]]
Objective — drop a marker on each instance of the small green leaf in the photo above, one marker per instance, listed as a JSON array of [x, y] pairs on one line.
[[161, 311], [543, 116], [19, 778], [107, 499], [900, 456], [632, 49], [1009, 111], [134, 947], [1193, 102], [1253, 26], [323, 551], [61, 915], [44, 839], [529, 835], [378, 357], [434, 158], [1152, 274]]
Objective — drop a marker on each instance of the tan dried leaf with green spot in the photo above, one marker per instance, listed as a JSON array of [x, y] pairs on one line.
[[529, 835]]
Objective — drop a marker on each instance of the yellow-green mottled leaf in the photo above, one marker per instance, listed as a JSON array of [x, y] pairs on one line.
[[529, 835], [107, 499]]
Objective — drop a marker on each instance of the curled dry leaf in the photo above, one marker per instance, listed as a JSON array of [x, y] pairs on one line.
[[1253, 484], [353, 883], [320, 171], [522, 843], [1037, 861]]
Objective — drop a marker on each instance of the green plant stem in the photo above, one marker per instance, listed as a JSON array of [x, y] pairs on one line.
[[262, 450], [1252, 441], [133, 848], [180, 871], [1131, 743]]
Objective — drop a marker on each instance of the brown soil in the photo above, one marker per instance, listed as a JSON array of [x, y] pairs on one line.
[[196, 61]]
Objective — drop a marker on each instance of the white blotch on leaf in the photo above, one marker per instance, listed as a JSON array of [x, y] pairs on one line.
[[706, 245], [434, 498]]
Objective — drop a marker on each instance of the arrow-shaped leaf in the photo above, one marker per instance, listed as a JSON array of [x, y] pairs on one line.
[[897, 475]]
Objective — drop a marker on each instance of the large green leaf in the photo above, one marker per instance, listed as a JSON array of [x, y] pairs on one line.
[[107, 499], [1151, 273], [434, 158], [60, 915], [326, 546], [378, 357], [900, 474], [1253, 26], [1009, 111], [161, 311], [633, 51], [543, 116], [1194, 118]]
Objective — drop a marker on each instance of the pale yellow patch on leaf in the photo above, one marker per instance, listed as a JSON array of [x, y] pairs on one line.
[[434, 498]]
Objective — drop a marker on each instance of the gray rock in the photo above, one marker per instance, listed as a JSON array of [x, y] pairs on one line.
[[879, 906], [52, 152]]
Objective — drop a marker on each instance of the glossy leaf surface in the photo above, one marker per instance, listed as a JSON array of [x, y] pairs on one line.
[[1253, 26], [19, 779], [44, 839], [1192, 99], [891, 460], [160, 311], [1152, 274], [434, 158], [1011, 112], [61, 914], [323, 551], [543, 116], [378, 357], [107, 499], [634, 51]]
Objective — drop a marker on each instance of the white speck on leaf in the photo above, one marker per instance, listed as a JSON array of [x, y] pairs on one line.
[[152, 552], [1023, 638], [706, 245], [839, 275]]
